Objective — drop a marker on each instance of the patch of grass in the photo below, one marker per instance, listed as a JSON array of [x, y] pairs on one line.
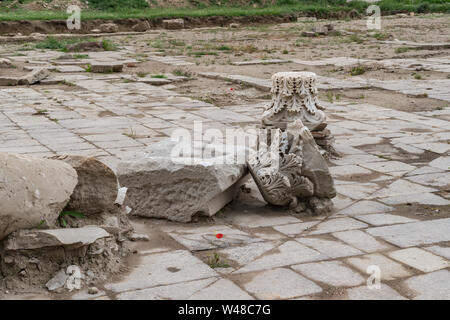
[[108, 45], [81, 56], [224, 48], [159, 76], [40, 112], [402, 50], [88, 68], [73, 214], [182, 73], [417, 76], [216, 261], [132, 134], [358, 70], [199, 54], [380, 36], [142, 74]]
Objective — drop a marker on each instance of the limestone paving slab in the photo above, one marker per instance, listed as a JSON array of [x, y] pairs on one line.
[[205, 238], [178, 291], [440, 250], [364, 293], [420, 259], [222, 289], [366, 207], [163, 269], [431, 286], [380, 219], [361, 240], [389, 269], [414, 233], [331, 248], [280, 283], [333, 273], [290, 252], [337, 224]]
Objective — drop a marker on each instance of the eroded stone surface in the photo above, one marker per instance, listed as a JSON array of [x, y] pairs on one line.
[[32, 191], [160, 187]]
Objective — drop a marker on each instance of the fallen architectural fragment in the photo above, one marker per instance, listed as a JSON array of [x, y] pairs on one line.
[[289, 169], [163, 185], [38, 197], [294, 96], [97, 185]]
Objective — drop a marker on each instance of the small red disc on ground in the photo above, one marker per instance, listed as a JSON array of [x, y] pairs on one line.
[[219, 236]]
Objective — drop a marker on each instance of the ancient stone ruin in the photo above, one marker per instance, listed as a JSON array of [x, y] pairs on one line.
[[43, 236], [289, 169]]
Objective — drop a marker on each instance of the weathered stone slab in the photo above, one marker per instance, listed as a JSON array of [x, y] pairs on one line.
[[163, 269], [431, 286], [280, 284], [34, 76], [222, 289], [176, 188], [365, 207], [380, 219], [108, 27], [422, 198], [106, 67], [364, 293], [32, 191], [389, 269], [332, 273], [178, 291], [71, 237], [333, 249], [414, 233], [337, 224], [361, 240], [290, 252], [440, 250], [97, 186], [205, 238]]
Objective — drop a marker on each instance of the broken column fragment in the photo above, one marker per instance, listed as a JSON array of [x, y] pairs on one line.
[[288, 168], [176, 188]]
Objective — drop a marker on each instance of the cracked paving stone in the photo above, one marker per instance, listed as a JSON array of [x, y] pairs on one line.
[[178, 291], [366, 207], [332, 249], [162, 269], [222, 289], [290, 252], [337, 224], [204, 238]]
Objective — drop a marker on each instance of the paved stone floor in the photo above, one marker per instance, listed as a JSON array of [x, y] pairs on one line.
[[392, 208]]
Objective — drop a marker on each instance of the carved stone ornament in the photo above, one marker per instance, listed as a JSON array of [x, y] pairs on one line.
[[288, 167]]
